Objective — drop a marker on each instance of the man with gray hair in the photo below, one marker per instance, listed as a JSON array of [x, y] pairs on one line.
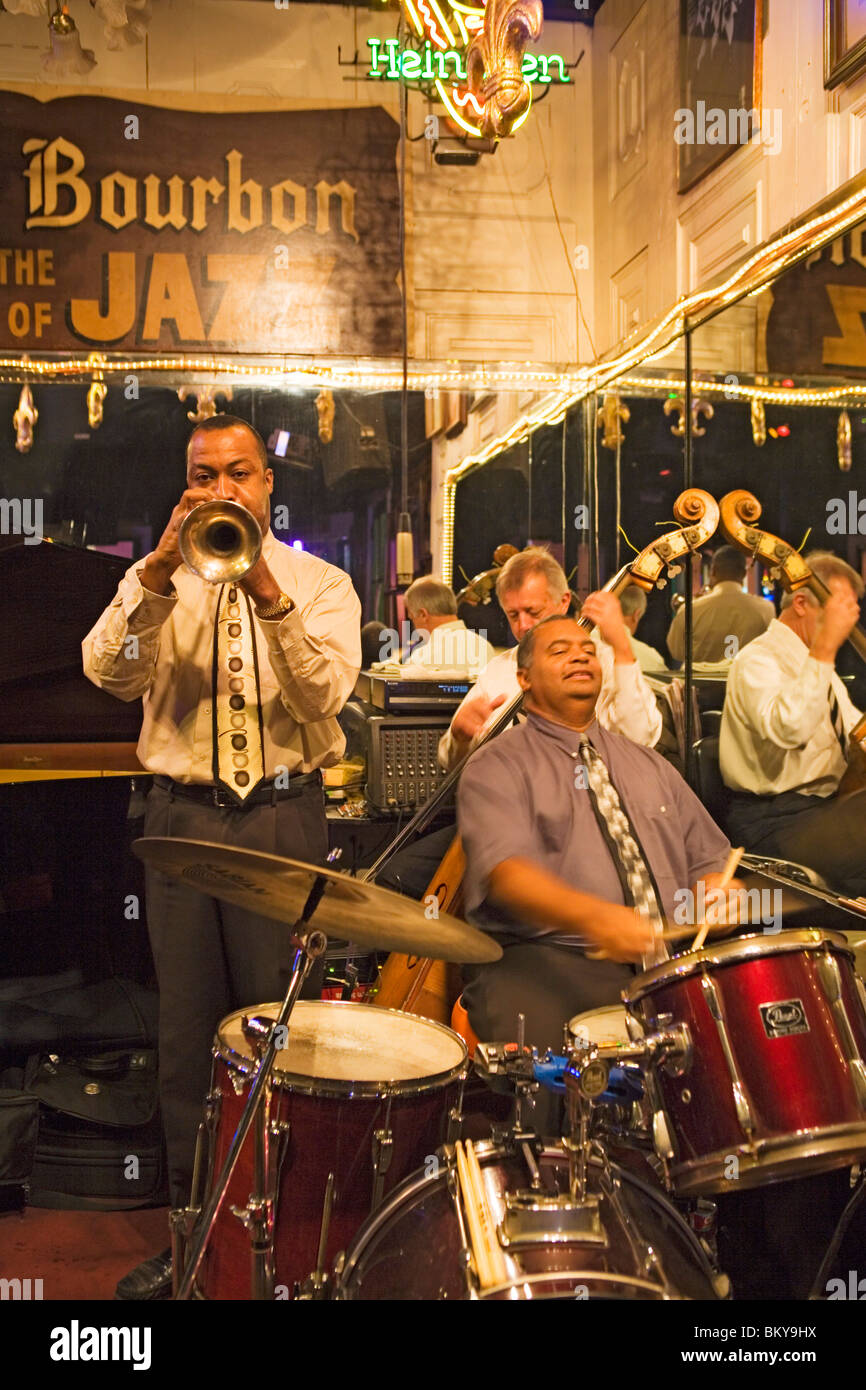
[[446, 640], [532, 586], [632, 601], [784, 737]]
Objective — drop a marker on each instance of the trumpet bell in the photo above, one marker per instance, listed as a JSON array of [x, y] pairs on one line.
[[220, 541]]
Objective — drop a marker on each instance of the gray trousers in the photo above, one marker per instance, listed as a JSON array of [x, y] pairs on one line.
[[824, 833], [548, 984], [211, 957]]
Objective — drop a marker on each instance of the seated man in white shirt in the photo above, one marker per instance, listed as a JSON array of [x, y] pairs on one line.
[[784, 736], [632, 601], [445, 640]]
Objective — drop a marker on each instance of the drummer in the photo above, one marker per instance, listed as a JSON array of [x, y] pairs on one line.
[[241, 686], [566, 828]]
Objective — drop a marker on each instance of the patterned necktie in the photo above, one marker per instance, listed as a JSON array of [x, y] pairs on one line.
[[622, 842], [838, 725], [238, 736]]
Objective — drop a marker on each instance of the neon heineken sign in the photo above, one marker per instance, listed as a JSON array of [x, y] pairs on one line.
[[428, 64]]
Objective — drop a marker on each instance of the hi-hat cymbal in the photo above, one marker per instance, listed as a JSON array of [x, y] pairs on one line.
[[351, 909]]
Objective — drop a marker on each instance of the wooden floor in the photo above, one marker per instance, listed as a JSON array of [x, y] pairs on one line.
[[79, 1254]]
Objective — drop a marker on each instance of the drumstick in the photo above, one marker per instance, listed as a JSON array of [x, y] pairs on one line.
[[473, 1218], [498, 1267], [727, 874]]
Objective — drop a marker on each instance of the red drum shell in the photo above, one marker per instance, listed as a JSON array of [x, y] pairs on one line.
[[332, 1121], [807, 1113], [411, 1247]]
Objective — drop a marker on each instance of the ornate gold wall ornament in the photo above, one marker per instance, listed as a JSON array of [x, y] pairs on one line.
[[700, 408], [843, 441], [325, 412], [759, 422], [612, 411], [205, 397], [24, 420], [494, 63]]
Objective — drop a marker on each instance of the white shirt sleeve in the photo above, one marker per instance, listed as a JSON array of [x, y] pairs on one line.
[[626, 704], [120, 651]]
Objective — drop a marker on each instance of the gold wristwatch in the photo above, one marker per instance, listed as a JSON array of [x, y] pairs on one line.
[[278, 609]]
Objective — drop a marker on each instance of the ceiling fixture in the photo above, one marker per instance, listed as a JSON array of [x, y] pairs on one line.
[[65, 56], [125, 22]]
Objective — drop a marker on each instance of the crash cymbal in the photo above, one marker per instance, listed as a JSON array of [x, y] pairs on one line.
[[351, 909]]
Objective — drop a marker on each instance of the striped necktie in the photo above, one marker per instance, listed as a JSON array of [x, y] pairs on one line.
[[622, 843], [837, 722], [238, 734]]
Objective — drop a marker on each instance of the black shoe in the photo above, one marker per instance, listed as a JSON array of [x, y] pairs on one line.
[[150, 1280]]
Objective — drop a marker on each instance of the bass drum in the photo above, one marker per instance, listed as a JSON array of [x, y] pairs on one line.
[[627, 1242]]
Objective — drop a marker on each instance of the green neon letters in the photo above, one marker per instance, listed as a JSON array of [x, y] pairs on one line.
[[389, 61]]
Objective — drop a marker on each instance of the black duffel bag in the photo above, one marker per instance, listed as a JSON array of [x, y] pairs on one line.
[[19, 1114], [100, 1143]]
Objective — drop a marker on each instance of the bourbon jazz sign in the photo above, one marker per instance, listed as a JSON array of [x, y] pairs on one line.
[[138, 228]]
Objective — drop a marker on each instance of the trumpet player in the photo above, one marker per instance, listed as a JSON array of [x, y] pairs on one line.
[[241, 683]]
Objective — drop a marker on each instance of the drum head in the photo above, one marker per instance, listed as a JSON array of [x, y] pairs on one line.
[[605, 1027], [339, 1048]]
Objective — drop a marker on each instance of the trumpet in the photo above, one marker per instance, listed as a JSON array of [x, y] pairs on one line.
[[220, 541]]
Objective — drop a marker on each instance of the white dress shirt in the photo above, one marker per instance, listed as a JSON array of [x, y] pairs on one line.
[[777, 734], [455, 647], [626, 704], [308, 663], [647, 658]]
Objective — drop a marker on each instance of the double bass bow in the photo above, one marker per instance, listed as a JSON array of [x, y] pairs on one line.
[[740, 510], [418, 985]]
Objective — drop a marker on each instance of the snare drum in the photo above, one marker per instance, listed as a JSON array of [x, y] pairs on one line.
[[773, 1084], [626, 1242], [605, 1027], [364, 1093]]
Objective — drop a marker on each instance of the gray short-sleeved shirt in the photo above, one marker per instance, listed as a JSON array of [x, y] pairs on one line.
[[524, 795]]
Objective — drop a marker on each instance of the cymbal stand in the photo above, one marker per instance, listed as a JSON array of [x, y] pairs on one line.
[[310, 946]]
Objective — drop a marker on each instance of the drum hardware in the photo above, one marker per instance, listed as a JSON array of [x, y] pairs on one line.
[[455, 1117], [316, 1287], [182, 1219], [534, 1219], [741, 1103], [831, 981], [855, 1201], [383, 1152]]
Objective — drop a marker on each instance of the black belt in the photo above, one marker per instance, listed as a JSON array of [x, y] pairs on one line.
[[265, 795]]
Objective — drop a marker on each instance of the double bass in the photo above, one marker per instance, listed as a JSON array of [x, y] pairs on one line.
[[739, 511], [427, 987]]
